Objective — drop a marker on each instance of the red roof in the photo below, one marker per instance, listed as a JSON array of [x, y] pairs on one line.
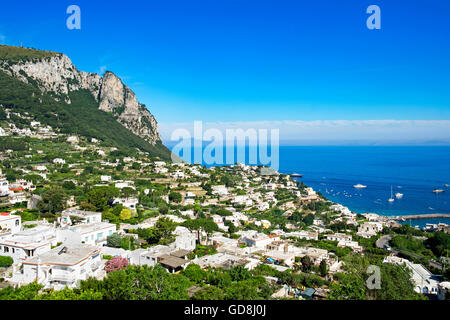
[[4, 214], [15, 189]]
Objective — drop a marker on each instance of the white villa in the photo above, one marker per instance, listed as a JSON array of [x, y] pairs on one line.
[[422, 278], [62, 266], [28, 243], [9, 224]]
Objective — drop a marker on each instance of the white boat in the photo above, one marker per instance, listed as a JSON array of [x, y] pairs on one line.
[[359, 186], [399, 195], [391, 199], [438, 190]]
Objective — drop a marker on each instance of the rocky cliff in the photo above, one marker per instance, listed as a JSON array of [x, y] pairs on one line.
[[55, 74]]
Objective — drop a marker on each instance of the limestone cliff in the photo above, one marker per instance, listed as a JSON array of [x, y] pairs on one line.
[[55, 74]]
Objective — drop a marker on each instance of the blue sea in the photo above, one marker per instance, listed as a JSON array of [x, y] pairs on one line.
[[413, 171]]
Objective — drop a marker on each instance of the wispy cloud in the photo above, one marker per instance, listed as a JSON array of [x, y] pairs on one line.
[[102, 70]]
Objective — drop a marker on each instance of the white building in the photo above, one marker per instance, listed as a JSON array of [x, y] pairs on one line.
[[85, 217], [260, 240], [59, 161], [338, 237], [304, 235], [369, 229], [9, 224], [354, 245], [93, 233], [130, 203], [422, 278], [73, 139], [105, 178], [184, 239], [4, 187], [62, 266], [219, 190], [28, 243]]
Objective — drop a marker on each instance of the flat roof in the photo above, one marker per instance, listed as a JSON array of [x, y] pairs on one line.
[[172, 261], [65, 255]]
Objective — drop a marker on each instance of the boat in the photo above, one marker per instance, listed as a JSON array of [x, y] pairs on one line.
[[446, 185], [359, 186], [438, 190], [296, 175], [391, 199], [399, 195]]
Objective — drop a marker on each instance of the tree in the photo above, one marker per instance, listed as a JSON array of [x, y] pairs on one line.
[[144, 283], [6, 261], [87, 206], [239, 273], [323, 267], [71, 294], [242, 290], [68, 185], [128, 192], [113, 240], [175, 197], [125, 214], [308, 220], [100, 196], [194, 273], [209, 293], [306, 264], [128, 243], [53, 201]]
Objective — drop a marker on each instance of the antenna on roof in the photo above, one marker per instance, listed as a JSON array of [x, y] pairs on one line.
[[63, 250]]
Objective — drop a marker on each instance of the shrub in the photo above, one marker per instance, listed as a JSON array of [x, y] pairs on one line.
[[116, 263], [5, 261]]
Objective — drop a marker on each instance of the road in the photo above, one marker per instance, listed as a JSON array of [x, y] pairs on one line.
[[380, 243], [383, 241]]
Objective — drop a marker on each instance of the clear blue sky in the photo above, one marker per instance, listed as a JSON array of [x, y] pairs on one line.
[[246, 60]]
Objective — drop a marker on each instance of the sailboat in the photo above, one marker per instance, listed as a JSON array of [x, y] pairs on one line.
[[391, 199]]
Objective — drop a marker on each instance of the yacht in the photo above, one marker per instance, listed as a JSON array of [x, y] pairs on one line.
[[359, 186], [391, 199], [438, 190], [399, 195]]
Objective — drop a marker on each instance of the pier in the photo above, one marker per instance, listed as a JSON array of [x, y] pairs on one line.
[[422, 216]]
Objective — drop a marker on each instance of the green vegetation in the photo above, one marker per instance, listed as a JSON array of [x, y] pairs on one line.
[[396, 283], [15, 54], [5, 261], [77, 118]]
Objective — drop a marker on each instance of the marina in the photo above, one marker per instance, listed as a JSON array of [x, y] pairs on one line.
[[422, 216]]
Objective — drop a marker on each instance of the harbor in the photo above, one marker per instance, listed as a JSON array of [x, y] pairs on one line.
[[422, 216]]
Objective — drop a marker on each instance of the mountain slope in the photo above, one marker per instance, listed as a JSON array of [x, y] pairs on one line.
[[49, 87]]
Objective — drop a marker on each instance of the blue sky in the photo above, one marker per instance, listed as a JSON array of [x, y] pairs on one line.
[[246, 60]]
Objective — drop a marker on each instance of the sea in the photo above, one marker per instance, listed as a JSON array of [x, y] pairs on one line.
[[413, 171]]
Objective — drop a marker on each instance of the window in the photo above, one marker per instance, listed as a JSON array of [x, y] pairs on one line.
[[17, 222], [5, 249]]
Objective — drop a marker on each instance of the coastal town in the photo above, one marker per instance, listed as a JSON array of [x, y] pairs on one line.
[[74, 210]]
